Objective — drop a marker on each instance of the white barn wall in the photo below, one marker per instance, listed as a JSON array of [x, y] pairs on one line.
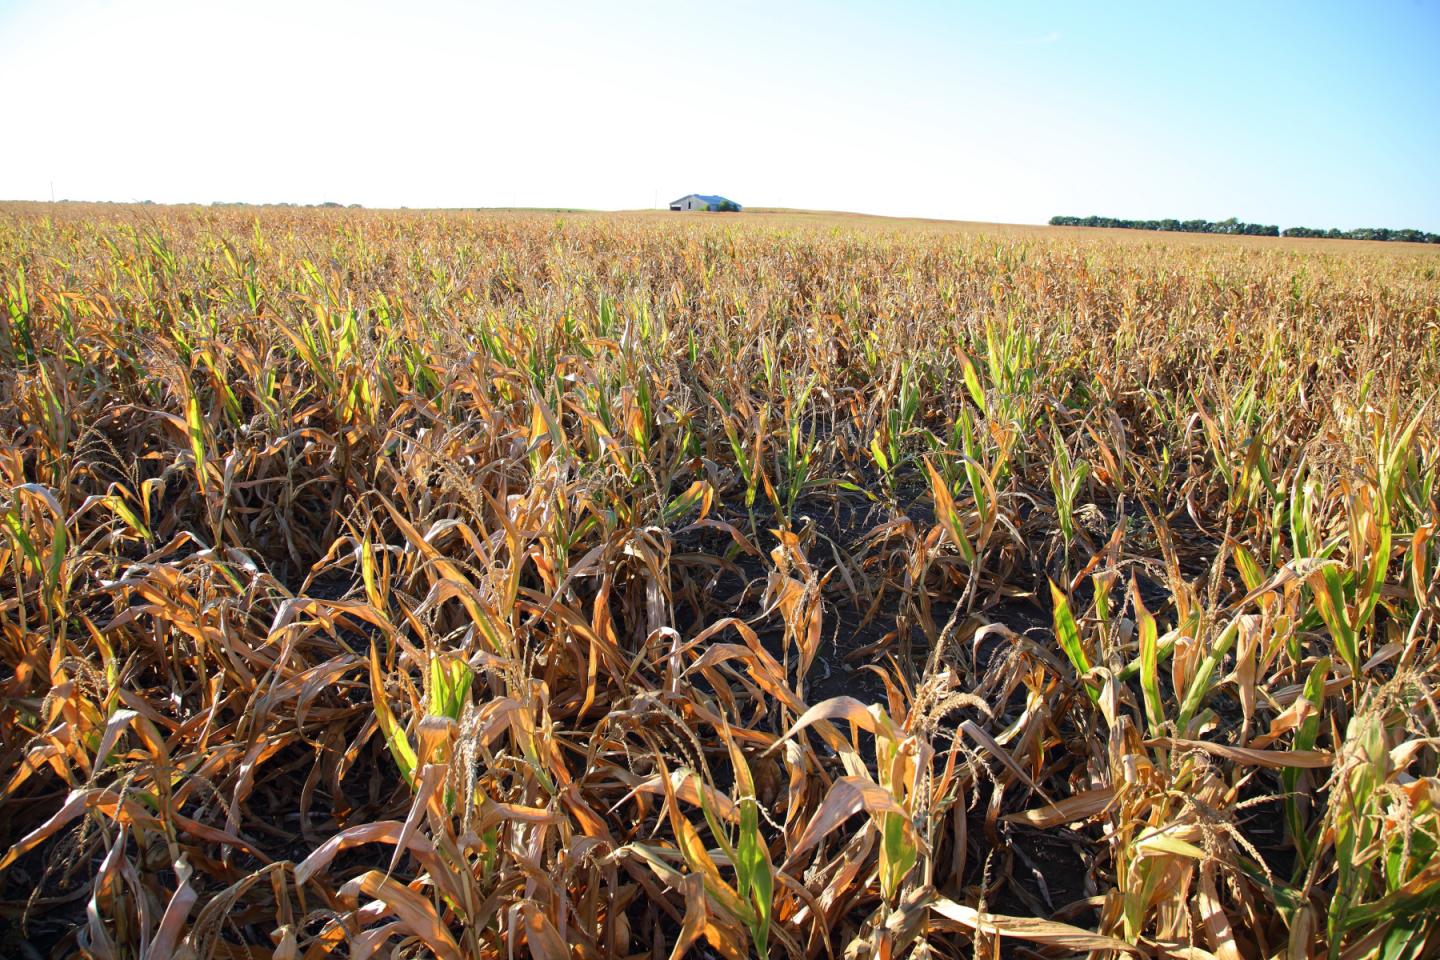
[[689, 203]]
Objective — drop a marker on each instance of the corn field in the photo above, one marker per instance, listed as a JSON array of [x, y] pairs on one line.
[[462, 585]]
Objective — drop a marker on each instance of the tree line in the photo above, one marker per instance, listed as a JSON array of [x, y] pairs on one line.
[[1365, 233], [1240, 228]]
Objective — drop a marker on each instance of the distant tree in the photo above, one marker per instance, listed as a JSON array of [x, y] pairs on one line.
[[1235, 226]]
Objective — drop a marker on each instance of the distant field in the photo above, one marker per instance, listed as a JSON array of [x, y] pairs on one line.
[[786, 583], [861, 220], [785, 218]]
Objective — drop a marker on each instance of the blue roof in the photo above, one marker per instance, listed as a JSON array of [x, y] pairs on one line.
[[707, 197]]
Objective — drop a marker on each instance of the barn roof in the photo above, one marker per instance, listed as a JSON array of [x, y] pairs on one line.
[[707, 197]]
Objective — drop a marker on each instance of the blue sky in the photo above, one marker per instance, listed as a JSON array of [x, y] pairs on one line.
[[1317, 114]]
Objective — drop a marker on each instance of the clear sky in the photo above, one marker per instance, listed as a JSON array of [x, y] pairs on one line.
[[1307, 113]]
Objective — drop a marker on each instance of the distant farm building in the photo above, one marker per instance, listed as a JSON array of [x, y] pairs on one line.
[[704, 201]]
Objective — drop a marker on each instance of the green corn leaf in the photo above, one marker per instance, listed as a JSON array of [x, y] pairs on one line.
[[1200, 683], [881, 460], [898, 853], [17, 530], [948, 515], [1149, 664], [1305, 737], [1379, 565], [120, 508], [1330, 602], [754, 873], [450, 679], [394, 734], [195, 425], [972, 382], [1249, 567], [1067, 632]]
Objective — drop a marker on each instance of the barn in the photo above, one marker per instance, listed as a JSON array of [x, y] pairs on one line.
[[705, 201]]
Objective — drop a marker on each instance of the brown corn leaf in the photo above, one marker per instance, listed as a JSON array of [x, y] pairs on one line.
[[1079, 806], [541, 936], [847, 797], [414, 911], [381, 831], [1274, 759], [1047, 932], [1212, 914]]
